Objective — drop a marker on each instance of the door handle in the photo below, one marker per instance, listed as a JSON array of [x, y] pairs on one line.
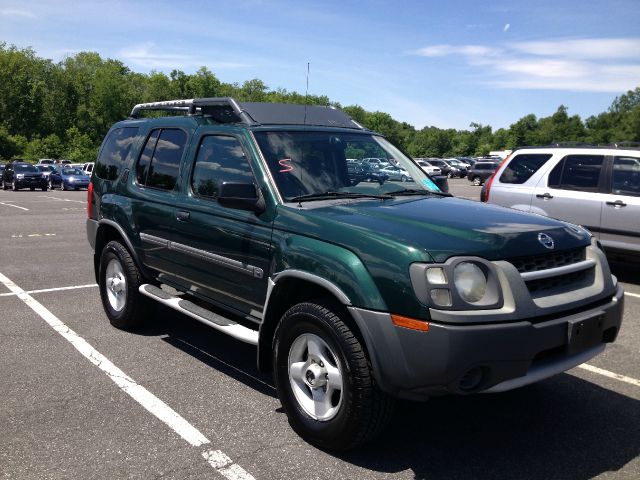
[[617, 203], [183, 216], [546, 196]]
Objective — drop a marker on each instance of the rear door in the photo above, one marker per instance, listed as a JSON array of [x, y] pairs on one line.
[[620, 226], [514, 185], [571, 191], [223, 253]]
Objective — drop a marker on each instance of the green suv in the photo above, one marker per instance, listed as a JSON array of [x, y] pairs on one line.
[[354, 292]]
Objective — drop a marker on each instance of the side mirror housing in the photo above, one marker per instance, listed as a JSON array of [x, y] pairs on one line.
[[241, 196], [442, 182]]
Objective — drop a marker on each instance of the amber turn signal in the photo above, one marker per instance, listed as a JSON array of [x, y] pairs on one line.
[[411, 323]]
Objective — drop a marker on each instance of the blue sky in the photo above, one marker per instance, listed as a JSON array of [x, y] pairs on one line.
[[441, 63]]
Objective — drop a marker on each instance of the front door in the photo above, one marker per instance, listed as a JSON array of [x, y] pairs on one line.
[[224, 252]]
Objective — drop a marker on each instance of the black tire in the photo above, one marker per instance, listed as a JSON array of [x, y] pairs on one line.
[[403, 178], [136, 307], [62, 187], [363, 411], [14, 187], [50, 185], [44, 189], [32, 188]]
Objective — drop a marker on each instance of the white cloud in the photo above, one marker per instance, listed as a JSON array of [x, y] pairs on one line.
[[444, 50], [147, 55], [590, 48], [13, 12], [584, 65], [506, 27]]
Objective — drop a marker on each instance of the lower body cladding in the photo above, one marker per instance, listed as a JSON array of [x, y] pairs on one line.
[[494, 357]]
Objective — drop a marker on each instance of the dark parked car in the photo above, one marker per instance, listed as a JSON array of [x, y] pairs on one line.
[[353, 294], [47, 170], [18, 175], [69, 179], [2, 167], [481, 171], [449, 170]]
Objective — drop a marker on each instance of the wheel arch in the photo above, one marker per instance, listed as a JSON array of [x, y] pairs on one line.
[[289, 288], [107, 231]]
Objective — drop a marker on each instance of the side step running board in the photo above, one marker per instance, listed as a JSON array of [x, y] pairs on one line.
[[231, 328]]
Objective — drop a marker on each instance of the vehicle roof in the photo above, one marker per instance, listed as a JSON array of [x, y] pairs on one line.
[[588, 149], [228, 111]]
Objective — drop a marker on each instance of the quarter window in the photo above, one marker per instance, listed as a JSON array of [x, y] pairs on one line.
[[159, 163], [626, 176], [577, 172], [115, 152], [220, 159], [523, 166]]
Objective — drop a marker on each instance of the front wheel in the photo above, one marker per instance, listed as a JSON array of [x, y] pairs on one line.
[[477, 181], [119, 281], [324, 380], [403, 178]]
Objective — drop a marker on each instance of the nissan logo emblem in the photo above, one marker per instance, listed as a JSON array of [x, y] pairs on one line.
[[546, 240]]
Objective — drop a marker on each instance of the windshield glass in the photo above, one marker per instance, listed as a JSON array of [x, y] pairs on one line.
[[313, 163], [25, 168], [72, 171]]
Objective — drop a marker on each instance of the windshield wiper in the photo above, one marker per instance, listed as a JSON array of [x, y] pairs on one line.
[[319, 196], [417, 191]]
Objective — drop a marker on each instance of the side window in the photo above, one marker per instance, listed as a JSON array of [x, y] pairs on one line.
[[626, 176], [577, 172], [159, 163], [220, 159], [114, 153], [523, 166]]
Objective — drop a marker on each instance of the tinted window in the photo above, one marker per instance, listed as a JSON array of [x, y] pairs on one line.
[[26, 168], [160, 160], [142, 169], [115, 151], [220, 159], [626, 176], [522, 166], [577, 172]]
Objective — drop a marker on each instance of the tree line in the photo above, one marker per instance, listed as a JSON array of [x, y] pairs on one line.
[[64, 109]]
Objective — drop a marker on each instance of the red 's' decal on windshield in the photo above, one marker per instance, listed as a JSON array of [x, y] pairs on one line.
[[287, 166]]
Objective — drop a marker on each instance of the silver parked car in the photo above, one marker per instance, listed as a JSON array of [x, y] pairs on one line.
[[596, 187]]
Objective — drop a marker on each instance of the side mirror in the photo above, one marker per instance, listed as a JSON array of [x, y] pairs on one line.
[[241, 196], [442, 182]]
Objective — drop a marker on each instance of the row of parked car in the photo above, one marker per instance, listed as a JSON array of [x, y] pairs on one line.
[[19, 174]]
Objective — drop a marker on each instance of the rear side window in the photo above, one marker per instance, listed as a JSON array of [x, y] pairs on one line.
[[523, 166], [626, 176], [114, 153], [159, 163], [577, 172], [220, 159]]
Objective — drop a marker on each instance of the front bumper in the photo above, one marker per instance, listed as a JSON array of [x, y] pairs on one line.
[[30, 183], [489, 357]]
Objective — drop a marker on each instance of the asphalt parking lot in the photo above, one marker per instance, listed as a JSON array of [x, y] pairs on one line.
[[80, 399]]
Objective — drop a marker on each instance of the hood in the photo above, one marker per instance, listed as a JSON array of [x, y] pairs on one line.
[[429, 228]]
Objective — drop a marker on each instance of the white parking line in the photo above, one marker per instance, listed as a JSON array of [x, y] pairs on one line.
[[632, 294], [20, 235], [607, 373], [15, 206], [44, 290], [148, 400], [63, 199]]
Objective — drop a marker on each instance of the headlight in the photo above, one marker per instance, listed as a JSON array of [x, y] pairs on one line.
[[460, 283], [470, 282], [19, 176]]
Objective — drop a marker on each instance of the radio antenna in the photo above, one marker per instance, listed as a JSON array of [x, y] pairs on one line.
[[306, 96]]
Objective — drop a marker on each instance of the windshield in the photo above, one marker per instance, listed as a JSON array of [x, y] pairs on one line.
[[308, 164], [25, 168], [72, 171]]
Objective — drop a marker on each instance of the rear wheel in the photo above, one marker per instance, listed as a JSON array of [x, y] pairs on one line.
[[477, 181], [32, 188], [119, 281], [324, 380]]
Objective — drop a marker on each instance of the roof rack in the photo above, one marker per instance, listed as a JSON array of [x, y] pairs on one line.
[[228, 110]]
